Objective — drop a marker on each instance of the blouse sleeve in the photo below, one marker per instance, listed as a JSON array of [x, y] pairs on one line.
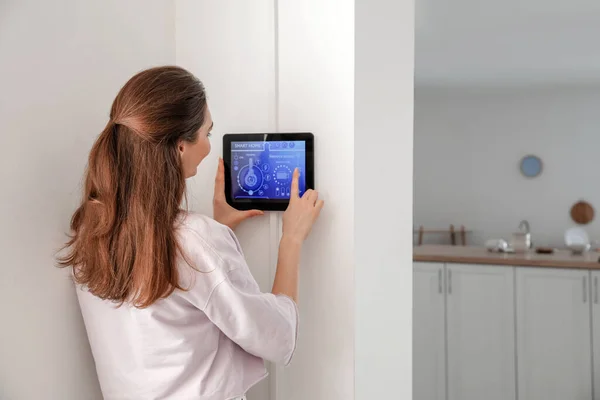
[[263, 324]]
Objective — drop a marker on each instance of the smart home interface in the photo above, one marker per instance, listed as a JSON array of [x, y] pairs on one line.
[[260, 168]]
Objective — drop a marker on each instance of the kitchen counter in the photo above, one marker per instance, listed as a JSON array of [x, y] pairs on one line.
[[480, 255]]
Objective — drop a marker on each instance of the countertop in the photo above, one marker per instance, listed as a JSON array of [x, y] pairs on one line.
[[480, 255]]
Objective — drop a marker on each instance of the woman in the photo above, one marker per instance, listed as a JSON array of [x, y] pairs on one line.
[[170, 307]]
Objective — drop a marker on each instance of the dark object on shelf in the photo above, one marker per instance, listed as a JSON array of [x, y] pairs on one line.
[[582, 212], [544, 250]]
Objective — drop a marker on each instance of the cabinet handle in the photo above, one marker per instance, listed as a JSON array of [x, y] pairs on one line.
[[440, 281], [449, 281], [585, 289], [596, 289]]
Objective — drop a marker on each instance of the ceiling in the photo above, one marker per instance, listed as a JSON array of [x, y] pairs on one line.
[[507, 42]]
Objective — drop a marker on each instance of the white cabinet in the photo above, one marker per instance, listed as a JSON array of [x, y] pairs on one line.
[[553, 334], [429, 378], [596, 331], [500, 333], [464, 313], [480, 332]]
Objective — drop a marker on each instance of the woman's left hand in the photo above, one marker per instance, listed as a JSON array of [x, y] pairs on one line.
[[222, 211]]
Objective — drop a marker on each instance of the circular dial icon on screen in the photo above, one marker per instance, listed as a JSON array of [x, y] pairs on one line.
[[250, 177], [282, 175]]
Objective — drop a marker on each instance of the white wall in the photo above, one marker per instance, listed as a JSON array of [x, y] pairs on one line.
[[468, 143], [316, 93], [62, 64], [383, 153]]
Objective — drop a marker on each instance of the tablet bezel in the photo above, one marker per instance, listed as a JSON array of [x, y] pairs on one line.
[[262, 204]]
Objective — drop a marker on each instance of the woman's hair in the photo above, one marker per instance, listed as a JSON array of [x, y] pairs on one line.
[[123, 245]]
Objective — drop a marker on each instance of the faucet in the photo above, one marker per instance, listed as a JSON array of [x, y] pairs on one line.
[[524, 226]]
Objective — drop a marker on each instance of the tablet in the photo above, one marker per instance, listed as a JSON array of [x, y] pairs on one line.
[[259, 168]]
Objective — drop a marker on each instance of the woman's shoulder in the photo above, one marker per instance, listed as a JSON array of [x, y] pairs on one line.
[[206, 252], [200, 233], [200, 223]]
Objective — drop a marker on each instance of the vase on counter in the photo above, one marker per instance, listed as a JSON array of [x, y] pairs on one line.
[[521, 241]]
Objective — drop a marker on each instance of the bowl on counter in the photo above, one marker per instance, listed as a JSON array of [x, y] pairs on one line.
[[579, 248], [577, 240], [496, 245]]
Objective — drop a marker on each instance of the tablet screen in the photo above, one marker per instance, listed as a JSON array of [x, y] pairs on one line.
[[263, 169]]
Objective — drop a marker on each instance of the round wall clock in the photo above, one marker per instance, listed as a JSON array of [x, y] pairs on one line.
[[531, 166]]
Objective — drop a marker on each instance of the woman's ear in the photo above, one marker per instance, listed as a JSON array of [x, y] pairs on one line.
[[181, 147]]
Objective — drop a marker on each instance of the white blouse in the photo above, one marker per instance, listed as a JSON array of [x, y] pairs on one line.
[[206, 343]]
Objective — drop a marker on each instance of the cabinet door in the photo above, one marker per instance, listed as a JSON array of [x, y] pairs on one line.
[[596, 331], [429, 375], [553, 334], [481, 332]]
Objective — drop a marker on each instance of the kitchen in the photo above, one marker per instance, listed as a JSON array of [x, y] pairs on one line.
[[506, 193]]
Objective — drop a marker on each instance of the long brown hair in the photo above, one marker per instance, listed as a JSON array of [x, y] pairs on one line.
[[123, 245]]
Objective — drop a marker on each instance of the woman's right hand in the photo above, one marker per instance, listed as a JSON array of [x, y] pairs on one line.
[[301, 213]]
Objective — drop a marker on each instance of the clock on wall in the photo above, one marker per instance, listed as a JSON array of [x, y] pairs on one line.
[[531, 166]]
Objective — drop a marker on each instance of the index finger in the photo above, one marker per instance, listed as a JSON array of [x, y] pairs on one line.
[[295, 186]]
